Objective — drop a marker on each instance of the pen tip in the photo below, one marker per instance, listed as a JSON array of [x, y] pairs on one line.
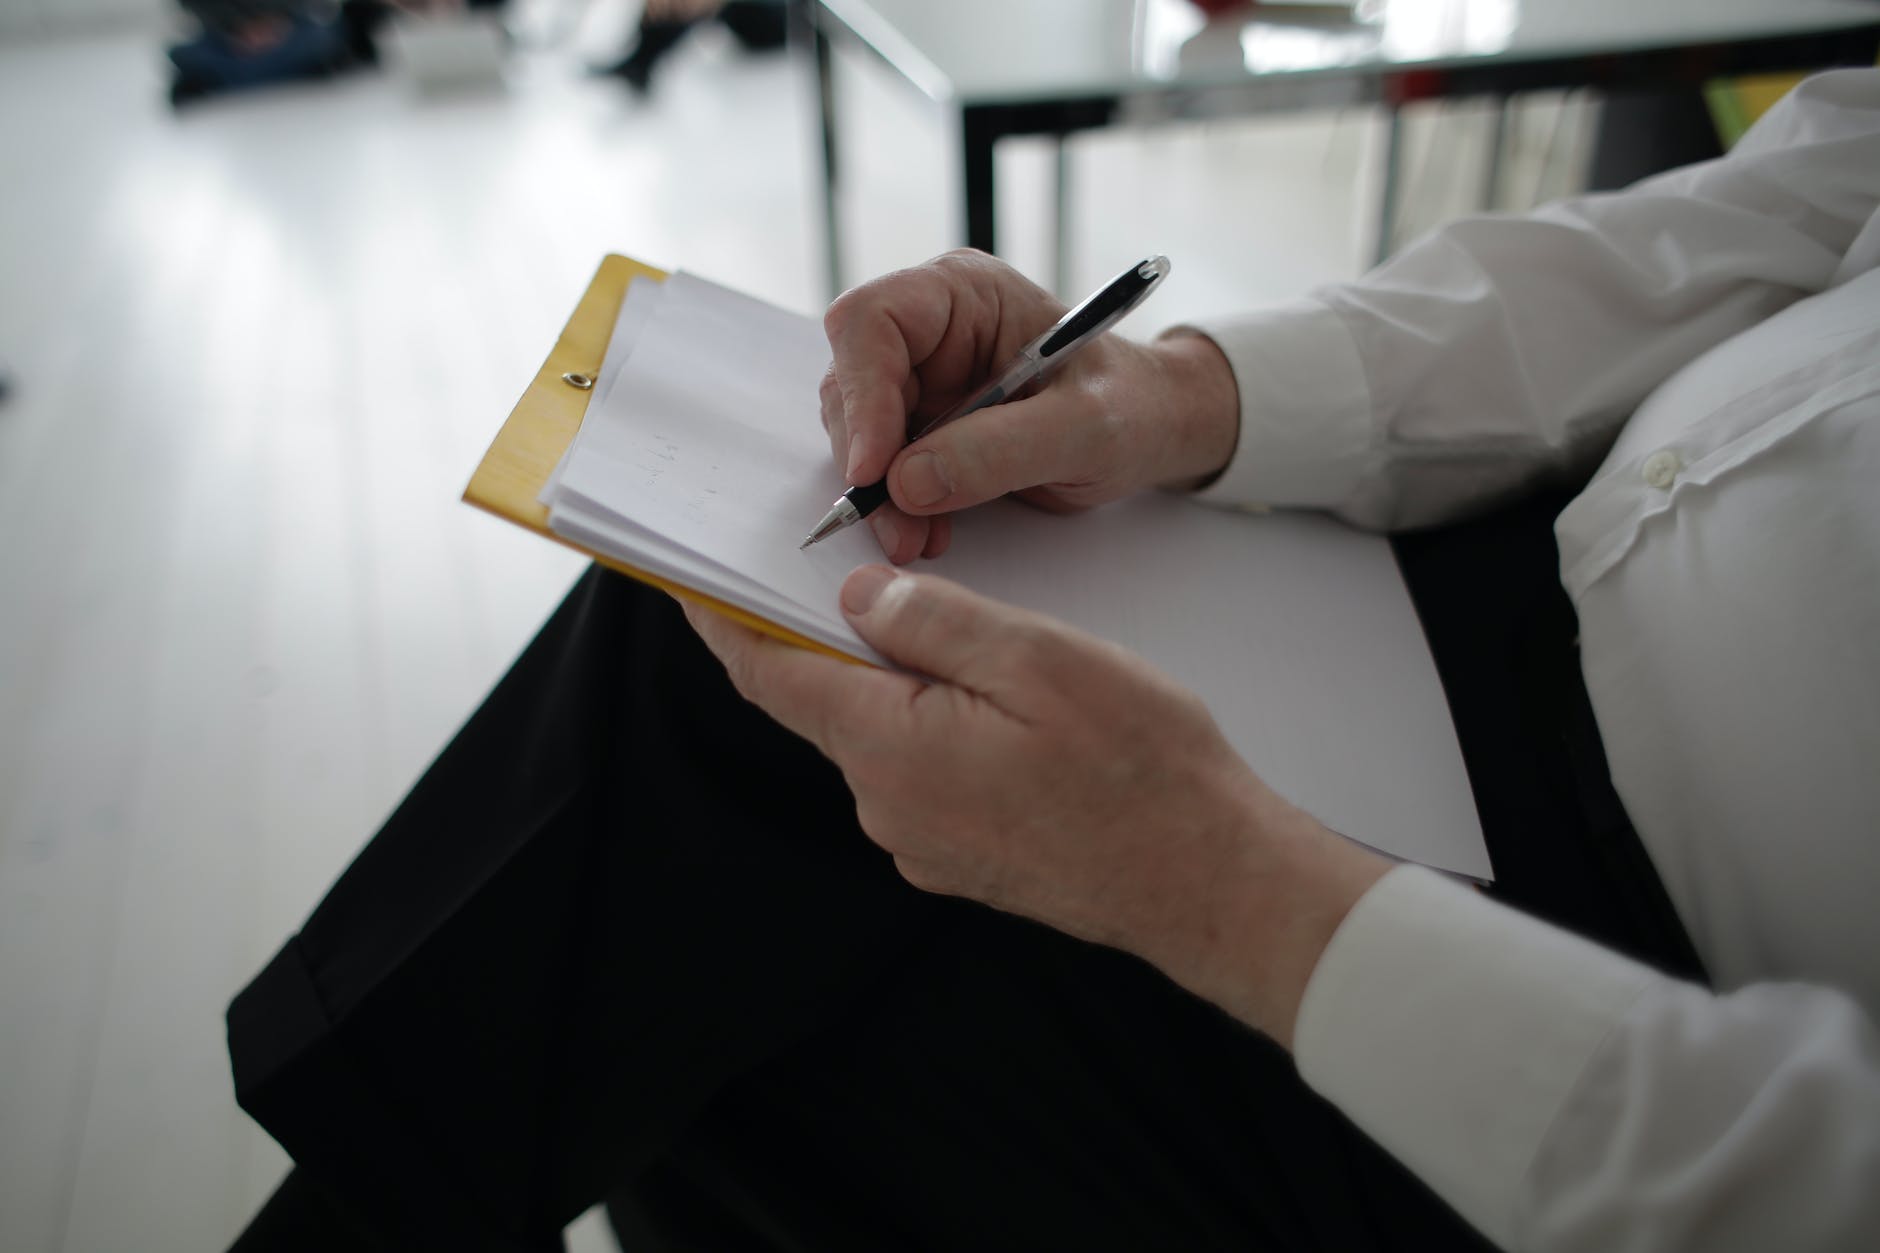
[[807, 541]]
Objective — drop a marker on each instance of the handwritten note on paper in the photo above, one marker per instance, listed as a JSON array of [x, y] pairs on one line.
[[711, 440]]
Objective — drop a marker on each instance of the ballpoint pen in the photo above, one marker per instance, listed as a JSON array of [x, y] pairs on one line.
[[1034, 361]]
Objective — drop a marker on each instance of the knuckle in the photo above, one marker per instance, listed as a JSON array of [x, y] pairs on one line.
[[858, 304], [743, 674], [964, 270], [841, 313], [920, 874], [870, 814]]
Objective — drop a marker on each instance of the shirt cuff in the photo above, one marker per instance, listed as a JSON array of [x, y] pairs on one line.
[[1305, 408], [1452, 1030]]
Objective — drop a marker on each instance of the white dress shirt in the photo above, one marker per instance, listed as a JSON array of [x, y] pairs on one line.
[[1714, 335]]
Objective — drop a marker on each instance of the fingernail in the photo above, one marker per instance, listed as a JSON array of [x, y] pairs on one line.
[[924, 479], [864, 587], [855, 459]]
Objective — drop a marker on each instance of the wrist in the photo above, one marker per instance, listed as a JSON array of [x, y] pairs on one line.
[[1270, 912], [1203, 409]]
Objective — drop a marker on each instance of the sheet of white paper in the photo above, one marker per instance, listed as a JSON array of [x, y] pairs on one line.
[[708, 462], [636, 308], [711, 438], [580, 520], [636, 311]]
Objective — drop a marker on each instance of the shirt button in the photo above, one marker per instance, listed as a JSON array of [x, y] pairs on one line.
[[1661, 468]]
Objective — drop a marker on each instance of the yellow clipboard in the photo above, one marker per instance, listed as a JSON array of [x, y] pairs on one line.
[[530, 444]]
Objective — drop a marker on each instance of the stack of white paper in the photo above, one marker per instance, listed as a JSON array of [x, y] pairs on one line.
[[702, 459]]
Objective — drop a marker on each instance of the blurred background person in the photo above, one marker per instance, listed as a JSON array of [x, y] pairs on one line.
[[757, 25], [248, 43], [253, 43]]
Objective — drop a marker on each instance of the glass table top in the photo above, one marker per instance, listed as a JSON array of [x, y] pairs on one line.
[[1012, 51]]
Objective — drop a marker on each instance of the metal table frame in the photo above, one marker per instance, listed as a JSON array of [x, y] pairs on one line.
[[983, 123]]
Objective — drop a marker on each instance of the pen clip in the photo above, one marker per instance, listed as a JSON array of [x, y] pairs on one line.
[[1076, 328], [1103, 310]]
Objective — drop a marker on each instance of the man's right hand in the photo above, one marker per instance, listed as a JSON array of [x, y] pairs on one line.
[[1118, 418]]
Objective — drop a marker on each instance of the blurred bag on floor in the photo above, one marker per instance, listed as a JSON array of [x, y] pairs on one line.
[[249, 43]]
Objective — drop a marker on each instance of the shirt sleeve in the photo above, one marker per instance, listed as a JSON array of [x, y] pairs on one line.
[[1564, 1098], [1499, 350]]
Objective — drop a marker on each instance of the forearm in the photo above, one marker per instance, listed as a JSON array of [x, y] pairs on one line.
[[1255, 924], [1499, 350]]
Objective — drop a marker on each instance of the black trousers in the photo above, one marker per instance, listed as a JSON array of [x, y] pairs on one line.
[[625, 940]]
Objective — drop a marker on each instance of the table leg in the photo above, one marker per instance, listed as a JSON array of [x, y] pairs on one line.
[[826, 106], [1387, 201], [1061, 203], [977, 136], [1497, 148]]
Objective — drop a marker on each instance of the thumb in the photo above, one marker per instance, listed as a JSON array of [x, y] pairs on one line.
[[933, 626], [1052, 437]]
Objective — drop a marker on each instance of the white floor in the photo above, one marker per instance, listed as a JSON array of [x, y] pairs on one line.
[[258, 348]]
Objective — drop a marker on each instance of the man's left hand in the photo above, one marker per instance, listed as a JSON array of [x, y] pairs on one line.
[[1050, 774]]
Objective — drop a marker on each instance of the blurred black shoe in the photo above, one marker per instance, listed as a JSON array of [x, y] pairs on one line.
[[360, 22], [185, 88], [758, 25], [655, 41]]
